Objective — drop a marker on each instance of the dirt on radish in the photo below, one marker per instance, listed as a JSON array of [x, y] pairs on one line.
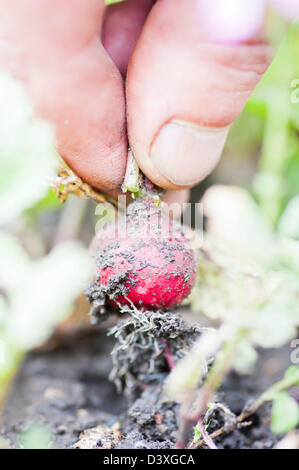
[[143, 259]]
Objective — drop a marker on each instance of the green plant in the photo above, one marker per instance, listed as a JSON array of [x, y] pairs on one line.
[[35, 294], [273, 103], [249, 272], [248, 284]]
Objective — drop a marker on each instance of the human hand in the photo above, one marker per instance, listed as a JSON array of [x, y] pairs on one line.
[[187, 80]]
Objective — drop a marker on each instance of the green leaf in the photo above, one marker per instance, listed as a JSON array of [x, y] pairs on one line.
[[27, 151], [197, 432], [291, 372], [235, 220], [288, 224], [285, 413], [49, 202], [14, 263], [36, 436], [276, 322], [50, 286], [3, 313], [289, 253], [245, 357], [112, 2]]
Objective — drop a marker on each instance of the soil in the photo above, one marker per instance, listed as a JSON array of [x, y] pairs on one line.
[[67, 389]]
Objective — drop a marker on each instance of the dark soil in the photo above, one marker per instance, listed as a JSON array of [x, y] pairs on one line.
[[67, 389]]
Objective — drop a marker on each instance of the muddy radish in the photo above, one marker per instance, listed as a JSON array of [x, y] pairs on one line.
[[144, 258]]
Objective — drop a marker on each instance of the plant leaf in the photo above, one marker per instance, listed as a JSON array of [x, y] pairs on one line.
[[285, 413], [288, 224], [14, 263], [48, 290], [27, 151], [245, 357], [236, 221], [291, 371], [36, 436]]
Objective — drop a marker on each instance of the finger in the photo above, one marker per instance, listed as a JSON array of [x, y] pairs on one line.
[[289, 9], [183, 92], [122, 25], [54, 47], [231, 21], [175, 200]]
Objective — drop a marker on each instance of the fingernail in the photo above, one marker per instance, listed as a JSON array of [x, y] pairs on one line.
[[186, 153]]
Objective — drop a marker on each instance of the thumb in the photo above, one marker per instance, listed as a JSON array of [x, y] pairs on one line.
[[183, 93]]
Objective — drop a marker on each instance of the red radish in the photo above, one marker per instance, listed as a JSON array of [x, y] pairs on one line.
[[144, 259]]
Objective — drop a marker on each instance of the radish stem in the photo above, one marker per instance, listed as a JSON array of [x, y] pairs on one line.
[[168, 355], [131, 181]]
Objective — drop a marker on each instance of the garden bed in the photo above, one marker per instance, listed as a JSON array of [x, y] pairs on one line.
[[67, 390]]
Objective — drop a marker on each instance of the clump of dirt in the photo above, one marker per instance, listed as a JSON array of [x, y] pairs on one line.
[[150, 422], [100, 436], [148, 344]]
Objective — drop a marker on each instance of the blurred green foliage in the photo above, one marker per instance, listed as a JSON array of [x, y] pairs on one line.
[[35, 294], [248, 283], [275, 107], [35, 436]]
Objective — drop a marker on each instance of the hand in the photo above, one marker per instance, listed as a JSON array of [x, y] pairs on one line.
[[183, 89]]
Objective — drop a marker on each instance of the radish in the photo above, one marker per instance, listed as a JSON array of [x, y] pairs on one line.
[[143, 259]]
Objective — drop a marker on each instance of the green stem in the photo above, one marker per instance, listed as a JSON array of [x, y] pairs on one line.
[[214, 379], [131, 181], [218, 371], [269, 394], [7, 375], [112, 2]]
